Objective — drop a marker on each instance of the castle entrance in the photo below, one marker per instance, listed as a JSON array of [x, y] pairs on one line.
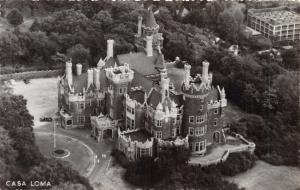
[[108, 134], [216, 137]]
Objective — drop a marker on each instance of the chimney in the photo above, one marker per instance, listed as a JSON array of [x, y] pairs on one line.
[[97, 78], [90, 77], [205, 65], [69, 76], [78, 69], [110, 48], [149, 48], [187, 74], [140, 19]]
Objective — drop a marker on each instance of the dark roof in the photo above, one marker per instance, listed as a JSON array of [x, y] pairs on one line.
[[178, 99], [110, 63], [138, 95], [160, 62], [79, 82], [213, 94], [176, 76], [154, 98], [140, 136], [150, 20], [140, 62], [140, 80]]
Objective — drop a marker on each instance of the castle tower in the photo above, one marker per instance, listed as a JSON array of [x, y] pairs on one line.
[[119, 78], [195, 121], [150, 27], [69, 75]]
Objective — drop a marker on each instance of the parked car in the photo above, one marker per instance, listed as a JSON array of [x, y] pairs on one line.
[[46, 119]]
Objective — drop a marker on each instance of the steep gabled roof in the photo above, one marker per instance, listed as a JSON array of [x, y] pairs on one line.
[[140, 80], [138, 95], [150, 21], [154, 98]]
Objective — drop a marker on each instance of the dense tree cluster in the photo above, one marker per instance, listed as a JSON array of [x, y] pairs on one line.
[[20, 158], [171, 170], [265, 88]]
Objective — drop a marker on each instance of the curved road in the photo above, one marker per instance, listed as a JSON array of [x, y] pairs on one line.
[[97, 173]]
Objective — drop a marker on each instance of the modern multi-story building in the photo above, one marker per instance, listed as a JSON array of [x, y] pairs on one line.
[[132, 97], [277, 24]]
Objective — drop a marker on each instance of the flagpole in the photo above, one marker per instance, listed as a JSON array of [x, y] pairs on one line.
[[54, 135]]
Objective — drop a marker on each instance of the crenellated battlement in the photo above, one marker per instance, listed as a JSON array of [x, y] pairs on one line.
[[134, 143], [177, 142], [119, 74]]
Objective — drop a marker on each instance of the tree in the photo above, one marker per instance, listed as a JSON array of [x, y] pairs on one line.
[[228, 26], [7, 153], [14, 17], [79, 54], [104, 20], [10, 50]]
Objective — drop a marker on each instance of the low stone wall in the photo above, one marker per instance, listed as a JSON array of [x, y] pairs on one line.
[[31, 75]]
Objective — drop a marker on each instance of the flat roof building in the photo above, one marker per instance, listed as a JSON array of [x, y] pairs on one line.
[[278, 24]]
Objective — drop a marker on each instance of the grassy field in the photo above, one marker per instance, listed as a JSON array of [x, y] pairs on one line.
[[264, 176], [41, 96]]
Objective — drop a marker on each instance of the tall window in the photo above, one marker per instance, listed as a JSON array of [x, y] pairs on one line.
[[129, 123], [130, 109], [81, 106], [200, 119], [191, 119], [174, 132], [199, 146], [158, 123], [191, 131], [80, 119], [199, 131], [215, 122], [144, 152], [158, 134]]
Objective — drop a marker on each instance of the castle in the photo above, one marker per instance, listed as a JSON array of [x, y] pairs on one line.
[[137, 99]]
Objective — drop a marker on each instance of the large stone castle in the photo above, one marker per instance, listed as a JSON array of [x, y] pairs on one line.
[[142, 100]]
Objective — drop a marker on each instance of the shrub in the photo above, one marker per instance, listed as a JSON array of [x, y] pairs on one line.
[[120, 157], [237, 163], [15, 17]]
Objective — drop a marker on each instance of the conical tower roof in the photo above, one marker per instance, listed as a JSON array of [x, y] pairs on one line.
[[150, 21]]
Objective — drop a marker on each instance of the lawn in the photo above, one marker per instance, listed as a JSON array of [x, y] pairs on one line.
[[264, 176], [41, 96]]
